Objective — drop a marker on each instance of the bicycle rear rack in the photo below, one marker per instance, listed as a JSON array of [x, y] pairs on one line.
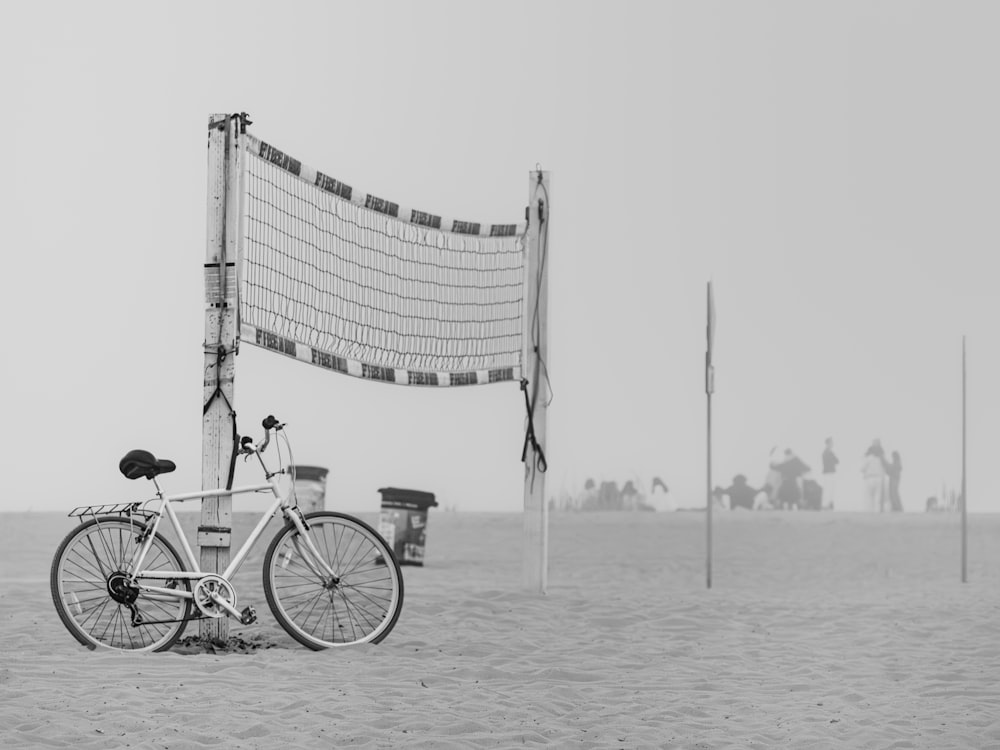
[[129, 510]]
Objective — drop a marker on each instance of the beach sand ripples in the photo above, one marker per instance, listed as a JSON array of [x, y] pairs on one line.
[[820, 631]]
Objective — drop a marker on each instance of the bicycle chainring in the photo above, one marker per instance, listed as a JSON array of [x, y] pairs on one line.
[[213, 584]]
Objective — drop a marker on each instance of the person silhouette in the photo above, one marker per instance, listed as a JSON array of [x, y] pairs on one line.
[[828, 480], [740, 494], [873, 472], [894, 469], [792, 469]]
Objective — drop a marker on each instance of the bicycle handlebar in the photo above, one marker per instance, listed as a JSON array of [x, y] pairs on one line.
[[269, 423]]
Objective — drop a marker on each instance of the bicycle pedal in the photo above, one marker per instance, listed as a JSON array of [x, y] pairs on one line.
[[248, 616]]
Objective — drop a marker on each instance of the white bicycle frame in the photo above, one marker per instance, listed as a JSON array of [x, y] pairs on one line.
[[317, 563]]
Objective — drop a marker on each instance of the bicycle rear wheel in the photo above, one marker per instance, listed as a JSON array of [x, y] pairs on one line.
[[359, 603], [98, 606]]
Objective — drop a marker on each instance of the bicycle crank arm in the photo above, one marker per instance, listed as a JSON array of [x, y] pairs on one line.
[[223, 604]]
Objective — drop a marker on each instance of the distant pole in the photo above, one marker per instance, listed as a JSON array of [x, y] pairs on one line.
[[964, 503], [709, 389]]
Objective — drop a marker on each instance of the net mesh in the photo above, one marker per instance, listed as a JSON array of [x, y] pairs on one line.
[[357, 284]]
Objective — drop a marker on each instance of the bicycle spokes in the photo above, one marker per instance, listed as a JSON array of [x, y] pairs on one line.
[[100, 599], [335, 585]]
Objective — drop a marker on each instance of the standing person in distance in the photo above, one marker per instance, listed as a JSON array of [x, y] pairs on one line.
[[829, 479], [894, 468], [792, 469], [873, 471]]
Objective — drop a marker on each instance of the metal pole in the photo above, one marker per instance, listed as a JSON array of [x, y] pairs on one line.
[[709, 389], [708, 498], [964, 503]]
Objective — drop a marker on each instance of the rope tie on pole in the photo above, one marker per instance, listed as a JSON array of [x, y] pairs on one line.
[[529, 435], [220, 356]]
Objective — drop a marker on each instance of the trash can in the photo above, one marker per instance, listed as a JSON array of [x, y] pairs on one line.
[[403, 523], [310, 487]]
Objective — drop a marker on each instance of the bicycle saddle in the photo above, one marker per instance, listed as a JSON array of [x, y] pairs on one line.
[[140, 463]]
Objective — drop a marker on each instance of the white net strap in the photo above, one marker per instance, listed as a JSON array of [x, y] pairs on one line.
[[358, 284]]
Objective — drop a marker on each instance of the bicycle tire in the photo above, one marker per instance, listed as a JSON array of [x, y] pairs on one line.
[[83, 565], [360, 605]]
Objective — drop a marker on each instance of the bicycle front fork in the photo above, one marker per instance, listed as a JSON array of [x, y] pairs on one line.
[[307, 549]]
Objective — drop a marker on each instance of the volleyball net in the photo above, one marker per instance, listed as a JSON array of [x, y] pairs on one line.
[[298, 262], [357, 284]]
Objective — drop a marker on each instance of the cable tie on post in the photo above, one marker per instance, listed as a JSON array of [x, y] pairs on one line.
[[529, 435]]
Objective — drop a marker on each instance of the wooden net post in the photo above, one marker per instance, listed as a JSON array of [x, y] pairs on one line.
[[535, 559], [218, 418]]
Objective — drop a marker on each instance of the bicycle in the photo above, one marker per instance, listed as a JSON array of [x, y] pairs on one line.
[[329, 578]]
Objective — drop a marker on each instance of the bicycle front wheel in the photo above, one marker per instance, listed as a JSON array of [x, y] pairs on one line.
[[96, 600], [353, 595]]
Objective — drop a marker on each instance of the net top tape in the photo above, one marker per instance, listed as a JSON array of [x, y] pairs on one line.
[[346, 192]]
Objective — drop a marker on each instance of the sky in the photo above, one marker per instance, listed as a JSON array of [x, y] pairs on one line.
[[832, 167]]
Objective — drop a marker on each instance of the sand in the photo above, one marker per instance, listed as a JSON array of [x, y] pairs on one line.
[[820, 631]]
